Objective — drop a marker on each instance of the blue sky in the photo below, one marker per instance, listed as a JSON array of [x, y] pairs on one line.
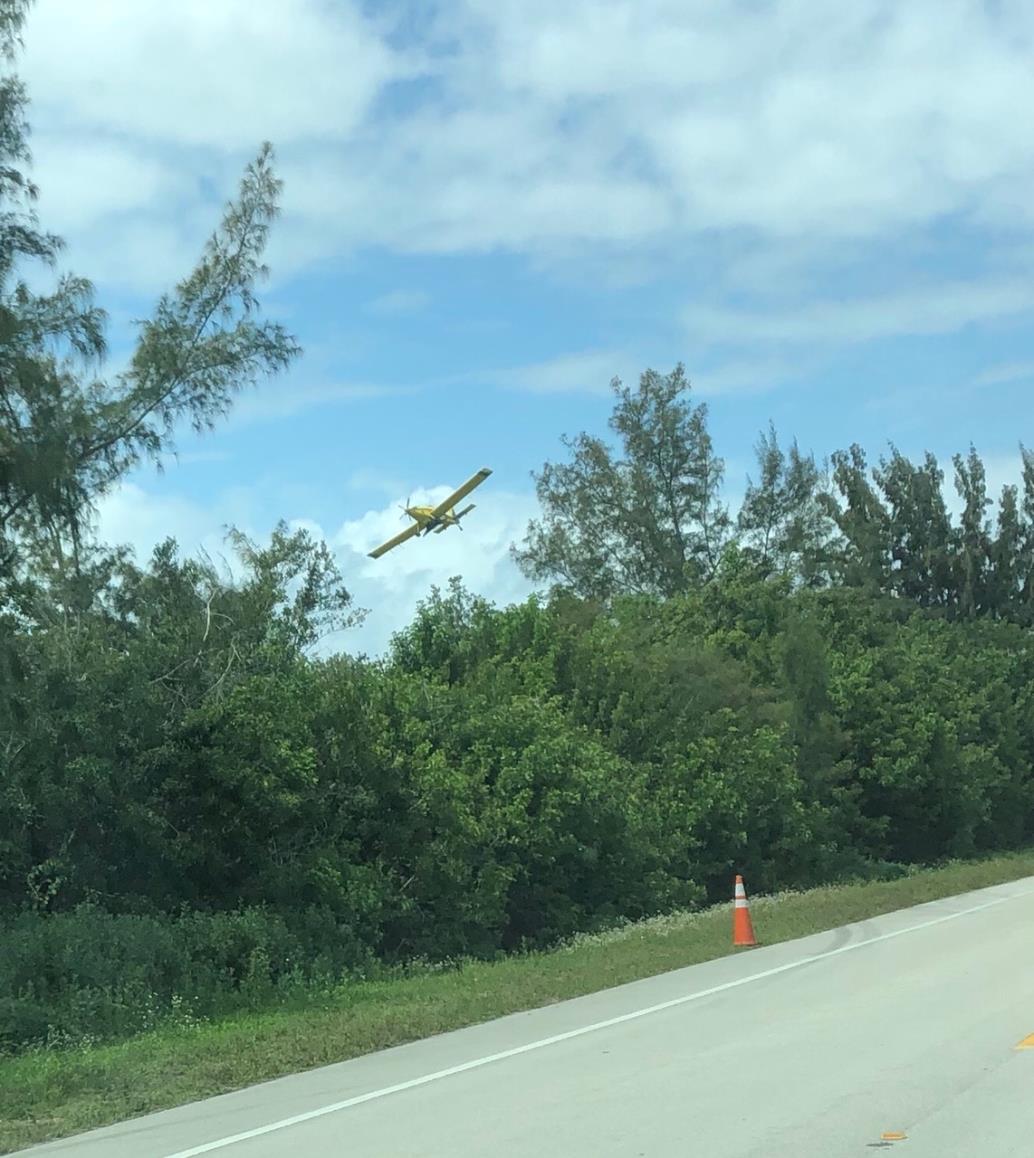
[[493, 207]]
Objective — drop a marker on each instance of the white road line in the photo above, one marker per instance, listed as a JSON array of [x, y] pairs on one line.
[[283, 1124]]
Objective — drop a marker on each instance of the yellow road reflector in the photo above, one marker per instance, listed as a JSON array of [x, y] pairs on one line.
[[1027, 1043], [893, 1136]]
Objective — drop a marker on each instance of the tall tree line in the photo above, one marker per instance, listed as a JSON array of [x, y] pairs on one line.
[[645, 516]]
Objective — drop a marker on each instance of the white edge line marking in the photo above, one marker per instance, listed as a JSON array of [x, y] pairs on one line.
[[208, 1147]]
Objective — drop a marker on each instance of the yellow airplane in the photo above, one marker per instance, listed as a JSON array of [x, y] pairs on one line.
[[437, 519]]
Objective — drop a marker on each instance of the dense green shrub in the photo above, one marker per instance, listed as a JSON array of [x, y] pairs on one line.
[[505, 779], [89, 974]]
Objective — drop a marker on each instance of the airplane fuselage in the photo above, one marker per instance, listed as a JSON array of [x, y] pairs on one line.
[[424, 516]]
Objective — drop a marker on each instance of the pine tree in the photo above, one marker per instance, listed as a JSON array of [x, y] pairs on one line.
[[781, 524], [647, 519], [920, 530], [67, 432]]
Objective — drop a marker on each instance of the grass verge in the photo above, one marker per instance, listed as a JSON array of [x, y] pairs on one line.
[[53, 1094]]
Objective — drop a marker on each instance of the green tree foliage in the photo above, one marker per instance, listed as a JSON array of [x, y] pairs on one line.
[[503, 778], [650, 521], [200, 809], [920, 531], [782, 525], [115, 778], [66, 434]]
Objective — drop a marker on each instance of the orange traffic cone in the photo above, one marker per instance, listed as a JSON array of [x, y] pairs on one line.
[[742, 929]]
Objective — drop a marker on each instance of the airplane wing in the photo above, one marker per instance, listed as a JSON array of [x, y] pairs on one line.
[[475, 480], [401, 537]]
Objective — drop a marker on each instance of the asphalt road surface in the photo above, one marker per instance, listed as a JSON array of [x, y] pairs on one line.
[[897, 1035]]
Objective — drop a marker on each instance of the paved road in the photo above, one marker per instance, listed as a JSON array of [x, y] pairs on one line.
[[814, 1048]]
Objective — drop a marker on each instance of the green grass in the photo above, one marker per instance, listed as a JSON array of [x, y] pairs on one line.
[[52, 1094]]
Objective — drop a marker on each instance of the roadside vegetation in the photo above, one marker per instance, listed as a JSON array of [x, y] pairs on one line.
[[53, 1093], [205, 820]]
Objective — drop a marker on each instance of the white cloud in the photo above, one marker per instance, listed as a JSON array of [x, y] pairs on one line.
[[1004, 372], [144, 115], [584, 49], [281, 398], [637, 119], [589, 371], [933, 309], [141, 519], [909, 405], [138, 252], [745, 375], [638, 128], [495, 175], [86, 179], [227, 75], [374, 479], [402, 301], [393, 584], [389, 587]]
